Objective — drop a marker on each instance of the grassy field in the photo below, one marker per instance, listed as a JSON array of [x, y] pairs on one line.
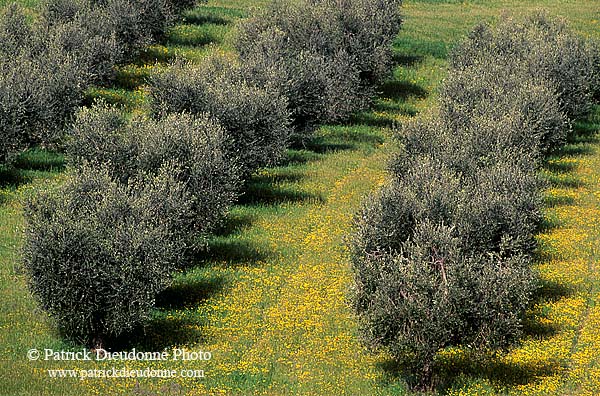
[[269, 301]]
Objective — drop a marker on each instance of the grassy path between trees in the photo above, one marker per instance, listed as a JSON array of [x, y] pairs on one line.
[[270, 303]]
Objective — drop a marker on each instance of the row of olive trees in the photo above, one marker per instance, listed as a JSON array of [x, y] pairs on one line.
[[145, 191], [49, 57], [442, 253], [317, 60], [114, 227]]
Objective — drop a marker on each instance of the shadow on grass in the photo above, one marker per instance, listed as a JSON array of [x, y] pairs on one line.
[[189, 294], [393, 97], [548, 223], [162, 331], [566, 179], [233, 223], [534, 324], [12, 177], [357, 131], [213, 15], [17, 175], [155, 54], [267, 194], [399, 108], [171, 324], [131, 79], [402, 90], [371, 119], [453, 370], [321, 145], [233, 251], [194, 35], [560, 172], [560, 166], [278, 177], [402, 59], [299, 157], [41, 160], [419, 49], [586, 130], [198, 18], [500, 374]]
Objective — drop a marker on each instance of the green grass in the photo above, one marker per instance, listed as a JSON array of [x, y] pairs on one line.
[[269, 300], [25, 3]]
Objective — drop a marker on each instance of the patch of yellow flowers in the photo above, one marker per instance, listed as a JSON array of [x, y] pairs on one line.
[[565, 359]]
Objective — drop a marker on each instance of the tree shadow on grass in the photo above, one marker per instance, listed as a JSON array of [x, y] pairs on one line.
[[233, 251], [299, 156], [500, 374], [549, 223], [560, 166], [400, 108], [575, 150], [553, 201], [204, 18], [394, 96], [155, 54], [266, 193], [17, 174], [193, 39], [320, 145], [174, 321], [372, 119], [454, 369], [402, 59], [12, 177], [586, 130], [189, 293], [283, 176], [40, 160], [400, 90], [566, 179], [162, 331], [233, 223], [213, 15], [451, 369], [535, 323]]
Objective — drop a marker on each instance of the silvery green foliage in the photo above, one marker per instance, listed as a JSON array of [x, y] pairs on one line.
[[131, 24], [95, 54], [40, 85], [494, 209], [369, 28], [495, 88], [100, 134], [467, 145], [442, 253], [426, 190], [501, 210], [318, 88], [15, 32], [364, 29], [256, 119], [193, 145], [324, 56], [546, 48], [444, 261], [97, 251], [431, 294]]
